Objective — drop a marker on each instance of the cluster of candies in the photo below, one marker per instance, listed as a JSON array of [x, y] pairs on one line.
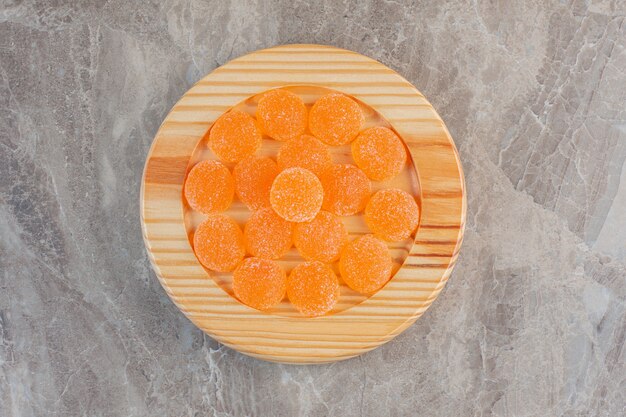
[[299, 200]]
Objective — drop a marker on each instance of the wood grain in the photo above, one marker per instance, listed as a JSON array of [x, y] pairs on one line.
[[364, 323]]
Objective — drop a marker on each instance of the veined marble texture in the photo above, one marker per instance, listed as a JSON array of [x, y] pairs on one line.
[[533, 319]]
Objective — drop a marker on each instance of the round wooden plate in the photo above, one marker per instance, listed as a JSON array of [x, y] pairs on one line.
[[361, 324]]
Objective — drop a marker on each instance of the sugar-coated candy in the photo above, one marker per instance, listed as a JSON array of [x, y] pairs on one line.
[[392, 214], [234, 136], [313, 288], [296, 195], [253, 180], [209, 187], [304, 151], [218, 243], [259, 283], [365, 264], [335, 119], [322, 238], [282, 114], [346, 189], [379, 152], [267, 235]]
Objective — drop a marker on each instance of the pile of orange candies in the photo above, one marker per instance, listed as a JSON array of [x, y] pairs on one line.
[[298, 200]]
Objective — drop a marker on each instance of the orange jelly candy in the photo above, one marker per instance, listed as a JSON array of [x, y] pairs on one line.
[[296, 195], [392, 214], [259, 283], [366, 264], [282, 114], [322, 238], [379, 152], [267, 235], [313, 288], [335, 119], [209, 187], [305, 152], [218, 243], [234, 136], [346, 189], [253, 181]]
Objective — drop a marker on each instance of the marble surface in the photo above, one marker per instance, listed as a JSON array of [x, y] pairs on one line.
[[533, 320]]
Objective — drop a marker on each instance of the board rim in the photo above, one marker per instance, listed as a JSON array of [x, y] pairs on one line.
[[327, 338]]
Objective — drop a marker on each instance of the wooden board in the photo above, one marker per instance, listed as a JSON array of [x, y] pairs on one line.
[[361, 323]]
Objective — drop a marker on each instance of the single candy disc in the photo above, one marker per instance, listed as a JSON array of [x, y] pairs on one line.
[[282, 114], [234, 136], [313, 288], [346, 189], [267, 235], [253, 180], [305, 152], [365, 264], [218, 243], [209, 187], [335, 119], [322, 238], [379, 152], [259, 283], [296, 195], [392, 214]]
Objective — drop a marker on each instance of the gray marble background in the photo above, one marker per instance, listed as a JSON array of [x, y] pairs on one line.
[[533, 320]]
